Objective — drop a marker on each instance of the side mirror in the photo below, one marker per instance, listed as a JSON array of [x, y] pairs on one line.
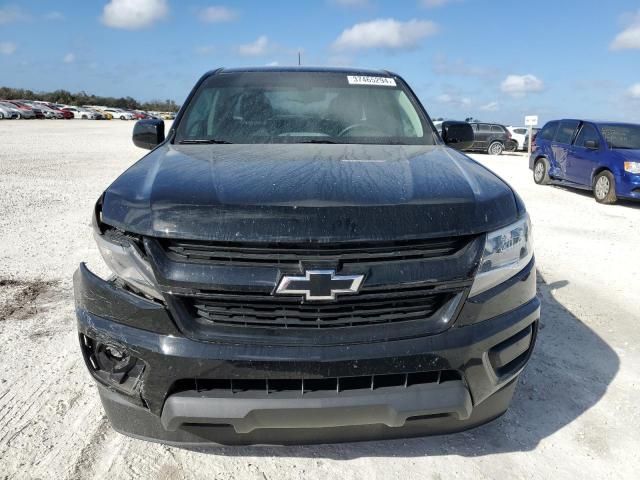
[[148, 133], [458, 135], [592, 144]]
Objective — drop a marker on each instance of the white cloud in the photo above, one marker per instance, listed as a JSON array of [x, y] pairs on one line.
[[386, 33], [352, 3], [134, 14], [634, 91], [490, 107], [69, 58], [629, 38], [454, 100], [218, 14], [11, 13], [520, 85], [273, 64], [254, 49], [7, 48]]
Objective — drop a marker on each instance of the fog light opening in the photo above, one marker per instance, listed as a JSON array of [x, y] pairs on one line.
[[112, 364]]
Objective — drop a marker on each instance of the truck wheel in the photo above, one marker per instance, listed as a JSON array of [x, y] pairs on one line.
[[604, 188], [541, 171], [495, 148]]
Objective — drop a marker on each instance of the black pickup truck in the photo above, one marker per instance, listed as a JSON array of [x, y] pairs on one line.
[[303, 259]]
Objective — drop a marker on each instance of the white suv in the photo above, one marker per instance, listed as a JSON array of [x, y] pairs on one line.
[[518, 134]]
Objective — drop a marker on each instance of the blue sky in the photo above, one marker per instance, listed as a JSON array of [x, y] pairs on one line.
[[462, 57]]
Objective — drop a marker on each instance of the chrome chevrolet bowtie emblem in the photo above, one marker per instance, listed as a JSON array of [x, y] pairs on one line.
[[319, 285]]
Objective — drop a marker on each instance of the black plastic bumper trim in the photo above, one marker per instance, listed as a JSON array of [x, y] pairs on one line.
[[390, 407]]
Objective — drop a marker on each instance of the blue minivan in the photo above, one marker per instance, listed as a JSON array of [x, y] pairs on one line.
[[600, 156]]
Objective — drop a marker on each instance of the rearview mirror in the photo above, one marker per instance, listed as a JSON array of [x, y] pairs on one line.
[[148, 133], [591, 144], [458, 135]]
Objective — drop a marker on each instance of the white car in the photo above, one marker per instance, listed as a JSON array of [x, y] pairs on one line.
[[121, 114], [518, 134], [82, 113]]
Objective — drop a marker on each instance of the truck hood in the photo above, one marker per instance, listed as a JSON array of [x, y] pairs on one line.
[[302, 192]]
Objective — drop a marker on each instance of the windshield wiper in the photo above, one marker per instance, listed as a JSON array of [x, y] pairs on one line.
[[194, 141], [318, 141]]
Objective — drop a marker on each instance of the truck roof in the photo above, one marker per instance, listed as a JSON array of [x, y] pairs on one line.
[[343, 70]]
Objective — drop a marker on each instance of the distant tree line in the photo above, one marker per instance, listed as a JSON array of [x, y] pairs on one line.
[[84, 98]]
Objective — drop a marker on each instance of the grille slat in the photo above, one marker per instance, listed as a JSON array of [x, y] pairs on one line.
[[281, 254], [274, 312], [326, 312], [301, 386]]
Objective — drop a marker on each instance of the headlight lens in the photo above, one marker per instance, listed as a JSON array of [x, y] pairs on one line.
[[506, 252], [632, 167], [125, 260]]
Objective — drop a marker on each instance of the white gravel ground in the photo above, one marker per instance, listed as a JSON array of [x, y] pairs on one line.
[[575, 414]]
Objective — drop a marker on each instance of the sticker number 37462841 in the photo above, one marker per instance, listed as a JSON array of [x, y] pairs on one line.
[[362, 80]]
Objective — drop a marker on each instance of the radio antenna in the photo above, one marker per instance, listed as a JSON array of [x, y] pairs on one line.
[[299, 58]]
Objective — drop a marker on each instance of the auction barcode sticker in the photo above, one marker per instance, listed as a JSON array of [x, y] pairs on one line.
[[360, 80]]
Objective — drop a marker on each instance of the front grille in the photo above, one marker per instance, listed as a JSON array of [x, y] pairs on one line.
[[281, 254], [300, 386], [369, 307]]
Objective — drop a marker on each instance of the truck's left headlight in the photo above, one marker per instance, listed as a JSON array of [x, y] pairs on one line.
[[126, 261], [506, 252]]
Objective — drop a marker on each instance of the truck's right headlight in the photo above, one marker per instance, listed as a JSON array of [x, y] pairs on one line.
[[122, 254], [506, 252], [126, 261]]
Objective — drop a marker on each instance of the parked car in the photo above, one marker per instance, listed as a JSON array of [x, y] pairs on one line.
[[518, 134], [82, 113], [489, 137], [8, 113], [600, 156], [137, 115], [535, 131], [118, 113], [45, 109], [26, 112], [66, 114], [338, 273], [102, 115]]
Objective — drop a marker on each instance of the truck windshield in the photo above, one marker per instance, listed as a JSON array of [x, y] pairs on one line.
[[303, 107], [625, 136]]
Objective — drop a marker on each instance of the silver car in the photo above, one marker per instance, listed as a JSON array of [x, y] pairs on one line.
[[8, 113], [46, 111], [20, 113]]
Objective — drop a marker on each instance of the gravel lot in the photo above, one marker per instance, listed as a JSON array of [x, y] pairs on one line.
[[576, 409]]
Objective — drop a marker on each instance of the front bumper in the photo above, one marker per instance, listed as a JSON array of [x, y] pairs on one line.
[[628, 185], [487, 348]]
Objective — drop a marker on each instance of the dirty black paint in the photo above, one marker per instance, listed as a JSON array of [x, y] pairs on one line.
[[315, 193]]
